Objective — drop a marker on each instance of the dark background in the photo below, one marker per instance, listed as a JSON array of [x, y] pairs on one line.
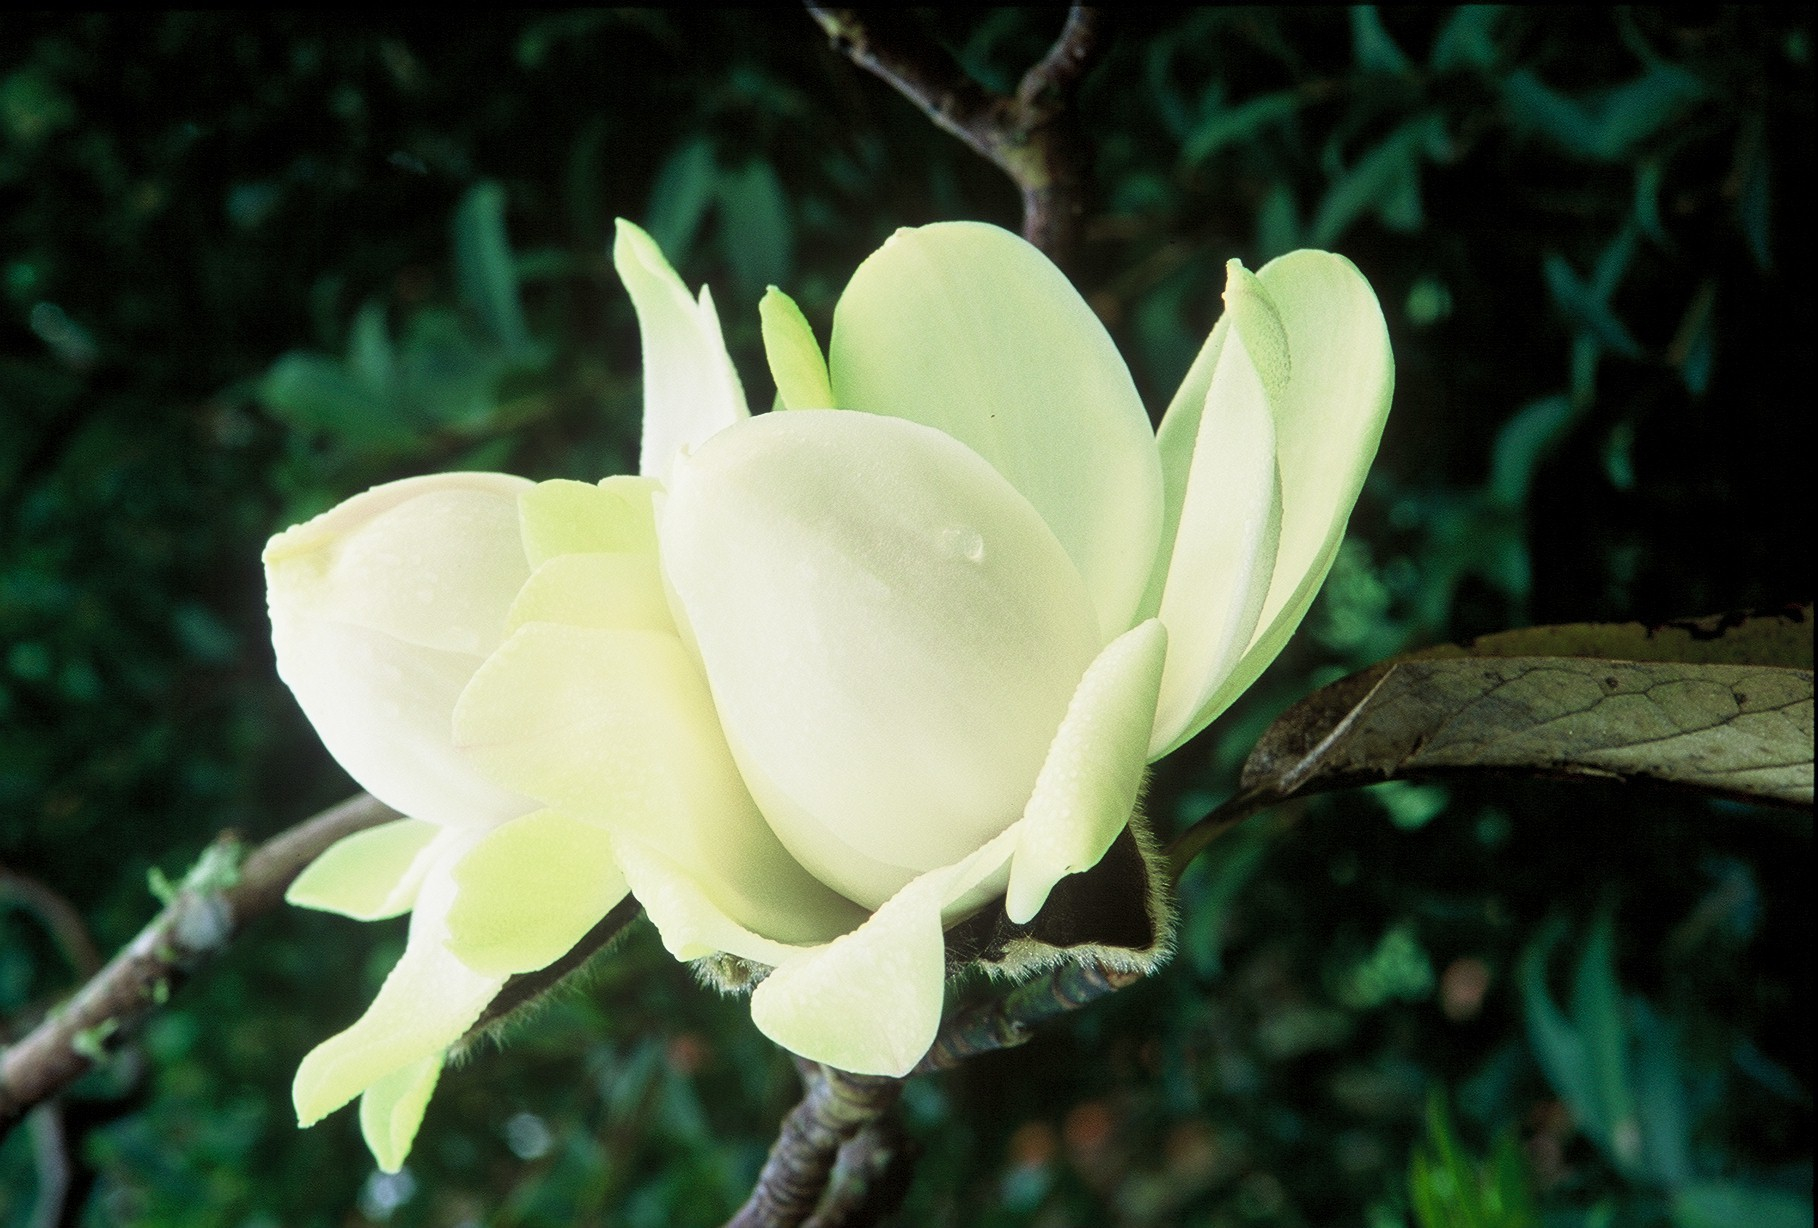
[[249, 266]]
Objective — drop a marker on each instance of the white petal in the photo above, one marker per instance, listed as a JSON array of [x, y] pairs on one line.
[[561, 517], [381, 609], [967, 328], [616, 728], [1327, 425], [426, 1004], [431, 561], [796, 362], [870, 1002], [691, 391], [1225, 512], [529, 891], [385, 711], [391, 1110], [369, 875], [1089, 784], [891, 633]]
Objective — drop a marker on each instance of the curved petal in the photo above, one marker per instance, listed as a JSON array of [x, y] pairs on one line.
[[385, 709], [370, 875], [1328, 423], [563, 517], [691, 391], [529, 891], [433, 561], [870, 1001], [967, 328], [796, 362], [391, 1110], [1224, 511], [1089, 784], [688, 919], [425, 1005], [595, 590], [381, 610], [616, 728], [891, 632]]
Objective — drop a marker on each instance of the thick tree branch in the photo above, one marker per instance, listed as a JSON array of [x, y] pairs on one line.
[[1030, 135], [226, 888], [835, 1107]]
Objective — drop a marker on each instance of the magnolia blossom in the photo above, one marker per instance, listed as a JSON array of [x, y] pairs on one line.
[[816, 685]]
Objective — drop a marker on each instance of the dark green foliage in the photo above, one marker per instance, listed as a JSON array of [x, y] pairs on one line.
[[250, 265]]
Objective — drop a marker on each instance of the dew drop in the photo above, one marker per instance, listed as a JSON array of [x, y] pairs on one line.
[[963, 544]]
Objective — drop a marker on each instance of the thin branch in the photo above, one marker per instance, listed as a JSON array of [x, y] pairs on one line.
[[835, 1106], [59, 917], [1004, 1023], [1227, 815], [1030, 135], [225, 889]]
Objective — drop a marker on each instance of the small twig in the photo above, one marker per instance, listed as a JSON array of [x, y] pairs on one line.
[[50, 1156], [1228, 814], [1029, 135], [216, 899], [835, 1106], [59, 917]]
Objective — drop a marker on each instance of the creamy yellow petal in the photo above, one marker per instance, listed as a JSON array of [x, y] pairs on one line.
[[563, 517], [431, 561], [391, 1110], [616, 727], [529, 891], [1225, 516], [425, 1005], [967, 328], [385, 711], [891, 632], [369, 875], [691, 391], [595, 590], [870, 1001], [1327, 426], [1094, 771], [796, 362]]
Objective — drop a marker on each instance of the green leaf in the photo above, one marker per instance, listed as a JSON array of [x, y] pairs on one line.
[[483, 264], [1597, 1018], [370, 356], [680, 196], [1726, 1204], [756, 234], [1588, 310], [1387, 179], [1660, 1097], [1523, 442], [1601, 126], [1467, 40], [311, 392], [1780, 637], [1239, 123], [1558, 1048], [1738, 730], [1372, 47]]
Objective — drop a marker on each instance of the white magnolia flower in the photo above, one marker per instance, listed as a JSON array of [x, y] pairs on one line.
[[820, 684]]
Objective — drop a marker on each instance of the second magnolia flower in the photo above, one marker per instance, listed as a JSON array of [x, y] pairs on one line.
[[821, 683]]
